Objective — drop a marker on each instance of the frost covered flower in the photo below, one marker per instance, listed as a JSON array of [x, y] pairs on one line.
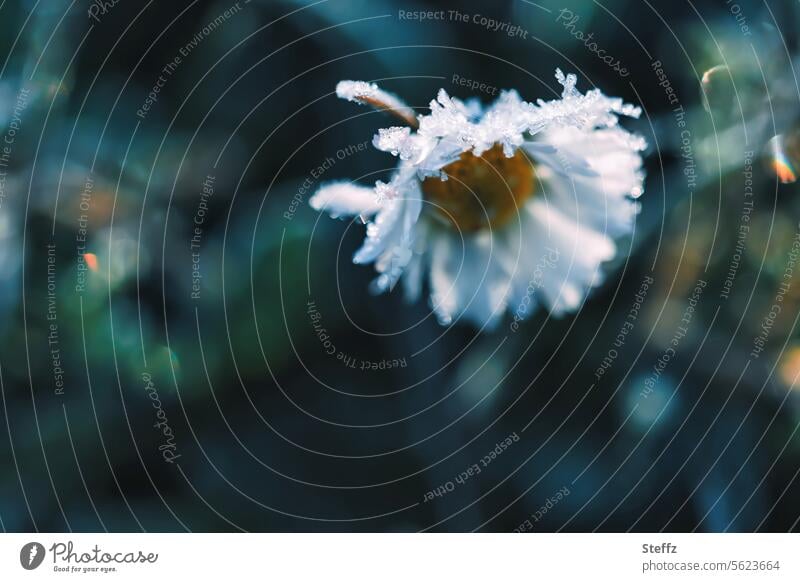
[[496, 209]]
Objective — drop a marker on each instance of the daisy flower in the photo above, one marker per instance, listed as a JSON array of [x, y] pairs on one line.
[[503, 208]]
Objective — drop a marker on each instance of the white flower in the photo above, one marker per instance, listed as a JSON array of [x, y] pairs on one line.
[[503, 208]]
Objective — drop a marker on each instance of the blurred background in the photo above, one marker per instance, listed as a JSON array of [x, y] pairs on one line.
[[187, 346]]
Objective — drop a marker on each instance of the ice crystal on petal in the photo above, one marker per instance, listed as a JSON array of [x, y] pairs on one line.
[[448, 117], [568, 82], [473, 108], [395, 140], [385, 192], [590, 110], [356, 90]]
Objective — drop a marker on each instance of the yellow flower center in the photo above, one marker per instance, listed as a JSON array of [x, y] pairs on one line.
[[481, 192]]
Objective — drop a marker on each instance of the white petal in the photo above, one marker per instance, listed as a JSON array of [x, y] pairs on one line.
[[345, 199], [370, 94], [416, 269], [435, 156], [602, 196], [560, 160], [580, 252], [399, 251], [613, 153], [382, 232], [558, 261], [443, 272], [412, 279], [468, 282], [484, 283]]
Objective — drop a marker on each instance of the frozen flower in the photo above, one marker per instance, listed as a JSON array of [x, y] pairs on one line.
[[498, 209]]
